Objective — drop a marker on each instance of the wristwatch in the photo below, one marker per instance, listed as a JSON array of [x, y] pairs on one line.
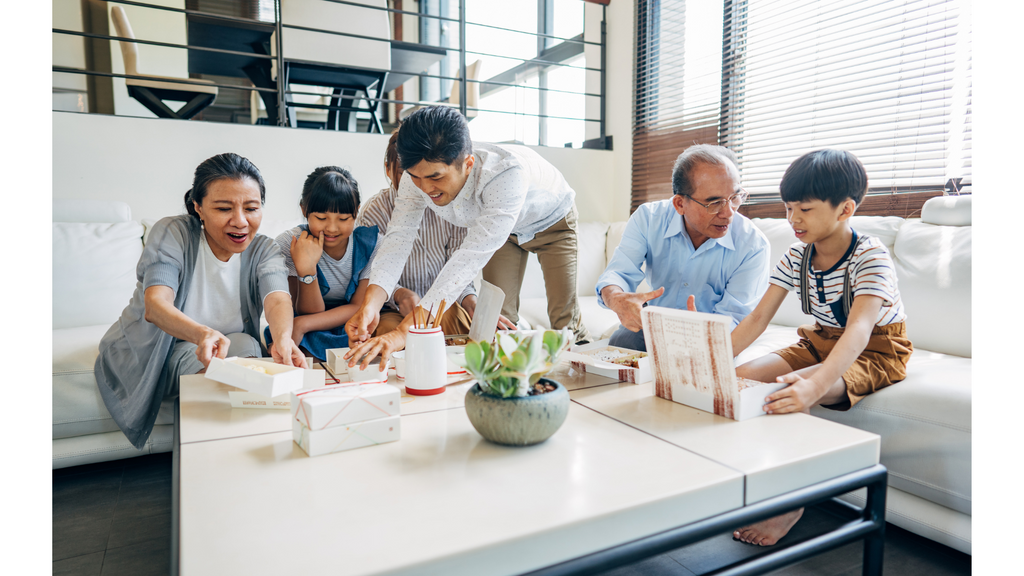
[[307, 279]]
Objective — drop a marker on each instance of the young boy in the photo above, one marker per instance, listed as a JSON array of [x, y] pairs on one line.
[[855, 348]]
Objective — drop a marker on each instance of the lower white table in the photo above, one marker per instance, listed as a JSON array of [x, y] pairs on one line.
[[627, 476]]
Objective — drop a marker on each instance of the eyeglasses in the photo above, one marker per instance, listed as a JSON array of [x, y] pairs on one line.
[[717, 206]]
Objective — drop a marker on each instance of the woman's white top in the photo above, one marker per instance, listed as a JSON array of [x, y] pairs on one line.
[[214, 298]]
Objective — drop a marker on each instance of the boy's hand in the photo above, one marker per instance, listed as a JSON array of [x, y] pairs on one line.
[[799, 396], [306, 252], [691, 303]]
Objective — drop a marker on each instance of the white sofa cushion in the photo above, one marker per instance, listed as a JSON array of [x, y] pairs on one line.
[[925, 425], [933, 264], [68, 210], [93, 271], [947, 211], [78, 408]]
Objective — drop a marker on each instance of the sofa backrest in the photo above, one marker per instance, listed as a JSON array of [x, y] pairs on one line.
[[96, 247], [933, 264]]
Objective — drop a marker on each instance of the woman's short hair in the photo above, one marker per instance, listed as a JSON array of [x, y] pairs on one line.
[[434, 134], [228, 165], [829, 175], [330, 189], [711, 154]]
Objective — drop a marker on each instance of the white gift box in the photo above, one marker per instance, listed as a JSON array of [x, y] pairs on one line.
[[597, 361], [350, 437], [274, 380], [340, 405]]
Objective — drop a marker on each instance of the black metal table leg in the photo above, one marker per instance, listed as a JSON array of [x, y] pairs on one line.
[[874, 543]]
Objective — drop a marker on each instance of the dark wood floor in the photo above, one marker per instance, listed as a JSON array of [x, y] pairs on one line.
[[114, 519]]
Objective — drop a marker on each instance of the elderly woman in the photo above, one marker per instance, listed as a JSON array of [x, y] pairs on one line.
[[204, 280]]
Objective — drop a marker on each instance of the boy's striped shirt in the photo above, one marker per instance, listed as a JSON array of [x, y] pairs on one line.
[[872, 274]]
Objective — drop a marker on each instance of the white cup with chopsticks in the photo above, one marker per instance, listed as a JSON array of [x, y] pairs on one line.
[[426, 364]]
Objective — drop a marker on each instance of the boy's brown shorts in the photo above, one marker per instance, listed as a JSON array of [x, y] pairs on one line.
[[882, 363]]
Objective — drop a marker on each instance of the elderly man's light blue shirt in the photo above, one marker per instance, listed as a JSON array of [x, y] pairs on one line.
[[726, 275]]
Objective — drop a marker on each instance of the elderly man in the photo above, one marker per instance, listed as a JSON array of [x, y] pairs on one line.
[[695, 246]]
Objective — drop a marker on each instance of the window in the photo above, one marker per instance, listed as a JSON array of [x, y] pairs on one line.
[[889, 80]]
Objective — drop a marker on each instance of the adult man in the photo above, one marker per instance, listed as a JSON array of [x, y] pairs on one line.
[[695, 246], [511, 201], [435, 244]]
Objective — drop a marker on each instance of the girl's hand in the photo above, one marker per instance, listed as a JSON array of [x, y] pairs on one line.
[[287, 353], [306, 252], [211, 344]]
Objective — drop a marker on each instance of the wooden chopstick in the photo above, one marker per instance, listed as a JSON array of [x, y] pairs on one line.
[[416, 317], [426, 320], [440, 312]]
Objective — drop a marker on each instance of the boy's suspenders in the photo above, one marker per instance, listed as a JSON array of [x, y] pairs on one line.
[[805, 268]]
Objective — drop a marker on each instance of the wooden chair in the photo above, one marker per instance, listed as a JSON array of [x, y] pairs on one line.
[[154, 90]]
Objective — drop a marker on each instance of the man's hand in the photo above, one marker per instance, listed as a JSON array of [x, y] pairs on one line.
[[306, 252], [362, 324], [382, 346], [211, 343], [469, 305], [406, 300], [627, 305], [288, 353], [799, 396]]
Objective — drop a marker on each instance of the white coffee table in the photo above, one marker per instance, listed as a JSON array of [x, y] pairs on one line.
[[627, 476]]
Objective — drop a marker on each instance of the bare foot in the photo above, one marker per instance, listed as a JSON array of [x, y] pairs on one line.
[[770, 531]]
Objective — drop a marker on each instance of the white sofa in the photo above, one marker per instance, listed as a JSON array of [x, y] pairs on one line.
[[924, 421]]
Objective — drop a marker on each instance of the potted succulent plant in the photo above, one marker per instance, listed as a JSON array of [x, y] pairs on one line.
[[512, 403]]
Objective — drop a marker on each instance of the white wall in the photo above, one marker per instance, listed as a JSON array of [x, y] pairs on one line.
[[149, 163], [620, 87]]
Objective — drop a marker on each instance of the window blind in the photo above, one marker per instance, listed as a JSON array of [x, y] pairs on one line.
[[889, 80], [678, 88]]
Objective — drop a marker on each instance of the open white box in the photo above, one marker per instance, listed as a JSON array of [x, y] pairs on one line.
[[589, 360], [278, 379], [350, 437], [339, 366]]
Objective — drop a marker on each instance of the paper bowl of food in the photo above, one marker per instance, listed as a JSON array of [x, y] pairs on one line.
[[399, 359], [456, 356]]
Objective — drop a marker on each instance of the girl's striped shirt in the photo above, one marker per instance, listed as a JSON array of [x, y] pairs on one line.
[[872, 274]]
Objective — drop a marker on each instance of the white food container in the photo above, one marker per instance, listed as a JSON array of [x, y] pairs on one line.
[[337, 363], [349, 437], [277, 380], [593, 361]]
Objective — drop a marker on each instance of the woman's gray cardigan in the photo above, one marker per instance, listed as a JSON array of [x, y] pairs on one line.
[[130, 368]]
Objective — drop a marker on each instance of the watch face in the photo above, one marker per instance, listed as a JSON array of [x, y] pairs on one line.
[[306, 279]]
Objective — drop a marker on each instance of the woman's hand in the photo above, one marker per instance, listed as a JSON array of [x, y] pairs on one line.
[[406, 300], [211, 344], [306, 252], [286, 352]]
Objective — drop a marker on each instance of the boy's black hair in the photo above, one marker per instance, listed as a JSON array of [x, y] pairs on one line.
[[330, 189], [227, 165], [434, 134], [832, 176]]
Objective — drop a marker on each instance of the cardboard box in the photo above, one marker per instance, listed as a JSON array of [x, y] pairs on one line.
[[693, 363], [344, 404], [240, 399], [595, 361], [277, 379], [350, 437]]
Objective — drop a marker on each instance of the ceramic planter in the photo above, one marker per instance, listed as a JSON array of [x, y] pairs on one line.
[[518, 421]]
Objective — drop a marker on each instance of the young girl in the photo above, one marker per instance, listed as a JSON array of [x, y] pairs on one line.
[[328, 260]]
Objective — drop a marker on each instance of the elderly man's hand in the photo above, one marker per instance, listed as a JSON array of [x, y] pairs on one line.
[[627, 305]]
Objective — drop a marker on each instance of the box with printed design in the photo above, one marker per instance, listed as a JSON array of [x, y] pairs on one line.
[[612, 362], [339, 405], [347, 437]]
